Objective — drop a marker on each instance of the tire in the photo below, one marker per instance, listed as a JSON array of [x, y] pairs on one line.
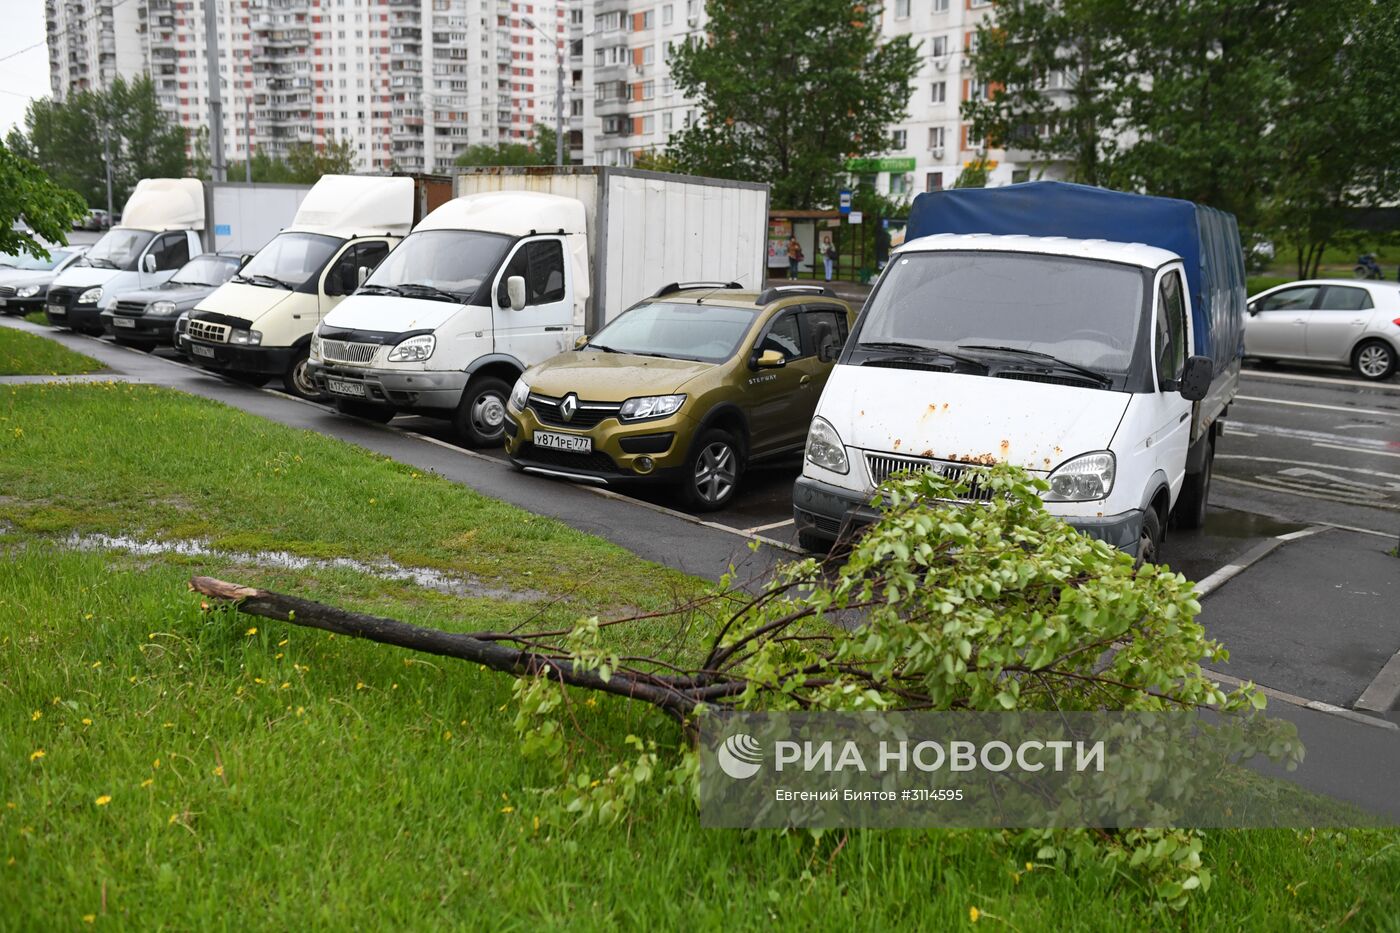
[[1150, 539], [379, 414], [480, 420], [713, 470], [1190, 510], [297, 381], [1374, 360], [814, 544]]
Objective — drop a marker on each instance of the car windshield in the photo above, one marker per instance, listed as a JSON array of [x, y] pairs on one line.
[[34, 263], [206, 270], [1084, 313], [456, 261], [708, 333], [289, 259], [119, 248]]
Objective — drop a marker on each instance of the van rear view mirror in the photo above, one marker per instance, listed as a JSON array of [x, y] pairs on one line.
[[1195, 378], [148, 262], [361, 276], [515, 290], [581, 342]]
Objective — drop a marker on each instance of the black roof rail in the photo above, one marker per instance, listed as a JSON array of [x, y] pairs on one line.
[[774, 292], [674, 287]]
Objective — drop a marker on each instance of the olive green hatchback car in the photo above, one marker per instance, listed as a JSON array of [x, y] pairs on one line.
[[687, 387]]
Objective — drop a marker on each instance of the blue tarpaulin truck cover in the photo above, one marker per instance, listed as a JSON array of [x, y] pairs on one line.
[[1207, 240]]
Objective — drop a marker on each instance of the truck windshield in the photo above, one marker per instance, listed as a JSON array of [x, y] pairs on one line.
[[1015, 309], [289, 259], [707, 333], [119, 248], [458, 262]]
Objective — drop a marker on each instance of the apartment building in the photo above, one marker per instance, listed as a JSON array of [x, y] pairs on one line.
[[91, 42], [409, 83]]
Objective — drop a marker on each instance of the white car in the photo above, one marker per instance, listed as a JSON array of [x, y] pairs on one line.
[[1341, 321]]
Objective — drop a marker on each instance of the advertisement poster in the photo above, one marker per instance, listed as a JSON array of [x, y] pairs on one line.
[[778, 233]]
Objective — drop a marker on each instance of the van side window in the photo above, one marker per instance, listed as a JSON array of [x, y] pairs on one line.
[[1171, 330], [171, 251], [541, 265], [369, 255]]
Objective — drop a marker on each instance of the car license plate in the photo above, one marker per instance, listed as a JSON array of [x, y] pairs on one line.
[[2, 302], [340, 387], [571, 443], [197, 350], [57, 310], [123, 322]]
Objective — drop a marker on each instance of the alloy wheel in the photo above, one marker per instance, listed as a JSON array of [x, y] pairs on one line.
[[716, 471], [1373, 361]]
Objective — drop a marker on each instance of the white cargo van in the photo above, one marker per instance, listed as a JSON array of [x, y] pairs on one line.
[[515, 270], [258, 326], [159, 233]]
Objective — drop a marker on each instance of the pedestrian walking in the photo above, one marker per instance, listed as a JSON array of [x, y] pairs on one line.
[[795, 257]]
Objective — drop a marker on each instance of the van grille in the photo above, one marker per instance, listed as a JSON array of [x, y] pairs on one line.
[[6, 291], [343, 351], [587, 415], [883, 466], [61, 296], [207, 331], [131, 307]]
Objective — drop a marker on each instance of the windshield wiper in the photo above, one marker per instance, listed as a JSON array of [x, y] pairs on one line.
[[378, 290], [599, 346], [259, 278], [1097, 376], [101, 263], [921, 349], [415, 290]]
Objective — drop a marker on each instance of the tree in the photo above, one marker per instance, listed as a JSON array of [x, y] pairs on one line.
[[788, 92], [974, 174], [65, 139], [538, 152], [27, 194]]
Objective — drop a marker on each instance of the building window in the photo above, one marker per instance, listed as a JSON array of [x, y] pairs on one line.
[[939, 47], [649, 124], [933, 181], [668, 15], [901, 9], [936, 137], [648, 90], [649, 55], [899, 140], [940, 92], [899, 183], [1020, 175], [666, 121], [940, 6]]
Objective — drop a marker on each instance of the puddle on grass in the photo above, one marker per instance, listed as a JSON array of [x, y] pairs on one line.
[[451, 584]]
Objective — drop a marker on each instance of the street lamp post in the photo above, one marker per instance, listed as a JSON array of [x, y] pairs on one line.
[[558, 90]]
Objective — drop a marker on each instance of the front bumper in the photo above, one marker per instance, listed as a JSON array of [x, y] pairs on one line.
[[620, 452], [223, 357], [830, 512], [21, 306], [147, 328], [401, 388], [76, 316]]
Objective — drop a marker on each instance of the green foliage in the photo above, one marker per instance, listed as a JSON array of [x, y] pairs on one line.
[[789, 91], [539, 152], [65, 140], [1283, 112], [27, 194], [24, 354]]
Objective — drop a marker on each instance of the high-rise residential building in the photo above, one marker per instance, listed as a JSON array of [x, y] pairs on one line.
[[409, 84], [91, 42]]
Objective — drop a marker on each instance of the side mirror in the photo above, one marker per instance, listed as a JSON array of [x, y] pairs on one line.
[[829, 352], [769, 359], [148, 262], [362, 274], [515, 290], [1252, 308], [1195, 378], [581, 342]]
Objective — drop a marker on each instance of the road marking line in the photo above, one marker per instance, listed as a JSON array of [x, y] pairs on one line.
[[1357, 450], [1292, 699], [1383, 693], [1251, 557], [768, 527], [1350, 411], [1285, 377], [1308, 463], [1234, 432], [1373, 443], [1290, 491]]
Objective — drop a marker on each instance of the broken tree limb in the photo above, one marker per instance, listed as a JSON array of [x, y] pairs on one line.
[[677, 696]]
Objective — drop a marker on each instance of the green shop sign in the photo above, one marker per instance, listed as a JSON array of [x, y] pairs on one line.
[[885, 164]]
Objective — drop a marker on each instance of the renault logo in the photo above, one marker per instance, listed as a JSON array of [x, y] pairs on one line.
[[568, 406]]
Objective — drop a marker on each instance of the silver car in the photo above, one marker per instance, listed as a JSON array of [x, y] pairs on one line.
[[1340, 321]]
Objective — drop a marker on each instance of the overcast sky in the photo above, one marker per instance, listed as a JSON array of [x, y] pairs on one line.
[[26, 75]]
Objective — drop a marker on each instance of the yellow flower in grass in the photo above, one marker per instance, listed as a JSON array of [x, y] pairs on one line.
[[219, 771], [36, 754], [87, 722], [36, 715], [252, 631], [973, 914], [89, 918], [103, 800]]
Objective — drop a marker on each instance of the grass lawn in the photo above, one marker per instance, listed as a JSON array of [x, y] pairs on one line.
[[185, 767], [24, 354], [36, 317]]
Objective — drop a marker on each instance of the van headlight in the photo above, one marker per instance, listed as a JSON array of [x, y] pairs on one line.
[[161, 308], [90, 297], [413, 350], [248, 338], [520, 394], [1083, 478], [27, 291], [824, 447], [315, 352], [182, 323], [650, 406]]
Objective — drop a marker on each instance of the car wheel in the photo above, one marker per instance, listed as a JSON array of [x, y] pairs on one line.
[[380, 414], [1149, 539], [1374, 360], [1190, 510], [480, 420], [297, 380], [713, 471]]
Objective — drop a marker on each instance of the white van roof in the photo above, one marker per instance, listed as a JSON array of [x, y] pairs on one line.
[[356, 205], [1137, 254], [515, 213], [165, 204]]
